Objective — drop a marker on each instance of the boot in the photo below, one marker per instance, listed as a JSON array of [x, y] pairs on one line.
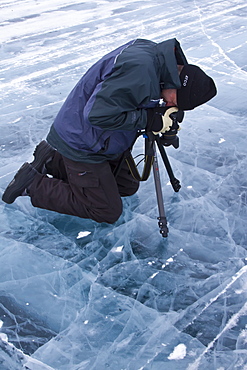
[[43, 153], [20, 183]]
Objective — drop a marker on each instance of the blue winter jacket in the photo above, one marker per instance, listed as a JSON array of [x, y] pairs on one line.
[[102, 114]]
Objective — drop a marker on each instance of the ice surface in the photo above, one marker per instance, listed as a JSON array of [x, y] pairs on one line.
[[75, 294]]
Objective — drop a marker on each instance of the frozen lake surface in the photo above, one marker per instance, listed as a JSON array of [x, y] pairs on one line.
[[77, 295]]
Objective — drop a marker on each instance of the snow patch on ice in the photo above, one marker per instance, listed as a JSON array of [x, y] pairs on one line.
[[178, 353], [82, 234]]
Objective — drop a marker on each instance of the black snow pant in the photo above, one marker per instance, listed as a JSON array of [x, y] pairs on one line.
[[83, 189]]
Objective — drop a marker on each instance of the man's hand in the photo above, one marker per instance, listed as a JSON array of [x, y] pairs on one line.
[[166, 121], [159, 120]]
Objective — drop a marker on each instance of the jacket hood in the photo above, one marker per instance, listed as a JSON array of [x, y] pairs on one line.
[[169, 55]]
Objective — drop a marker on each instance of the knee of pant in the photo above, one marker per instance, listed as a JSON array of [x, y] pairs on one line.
[[113, 214], [133, 190], [126, 192], [109, 215]]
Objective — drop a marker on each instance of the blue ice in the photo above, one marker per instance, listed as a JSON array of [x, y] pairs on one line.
[[77, 295]]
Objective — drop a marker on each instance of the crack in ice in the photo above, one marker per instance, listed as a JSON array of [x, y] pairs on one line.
[[230, 324], [215, 44]]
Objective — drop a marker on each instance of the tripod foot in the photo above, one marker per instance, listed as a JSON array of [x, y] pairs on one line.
[[175, 184], [163, 226]]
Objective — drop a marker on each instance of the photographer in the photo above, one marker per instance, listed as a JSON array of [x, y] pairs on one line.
[[117, 96]]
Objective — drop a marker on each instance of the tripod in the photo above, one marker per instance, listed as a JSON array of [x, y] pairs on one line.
[[174, 182], [151, 142]]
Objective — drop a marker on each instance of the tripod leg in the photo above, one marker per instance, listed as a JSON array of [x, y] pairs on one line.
[[175, 182], [162, 217]]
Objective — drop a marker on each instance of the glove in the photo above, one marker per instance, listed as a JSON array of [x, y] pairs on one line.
[[165, 121], [159, 120]]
